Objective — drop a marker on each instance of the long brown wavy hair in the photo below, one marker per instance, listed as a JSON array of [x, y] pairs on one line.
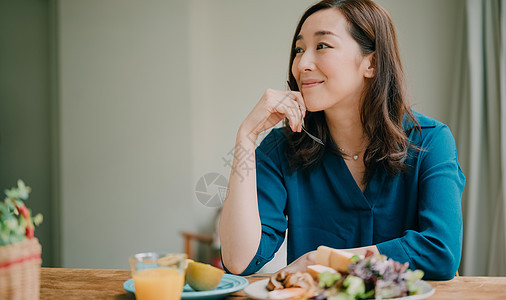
[[384, 102]]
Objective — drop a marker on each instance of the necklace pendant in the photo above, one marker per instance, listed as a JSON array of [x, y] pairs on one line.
[[355, 157]]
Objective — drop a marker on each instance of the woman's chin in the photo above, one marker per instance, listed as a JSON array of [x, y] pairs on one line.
[[313, 108]]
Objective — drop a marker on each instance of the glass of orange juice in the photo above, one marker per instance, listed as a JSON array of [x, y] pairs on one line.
[[158, 275]]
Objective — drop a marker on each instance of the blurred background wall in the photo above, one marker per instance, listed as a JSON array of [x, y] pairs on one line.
[[29, 147], [113, 110]]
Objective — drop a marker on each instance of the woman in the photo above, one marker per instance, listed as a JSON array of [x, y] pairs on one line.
[[381, 177]]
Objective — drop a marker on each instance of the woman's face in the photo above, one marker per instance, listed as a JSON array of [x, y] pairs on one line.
[[329, 67]]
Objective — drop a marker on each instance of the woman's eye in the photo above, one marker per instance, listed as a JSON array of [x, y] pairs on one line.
[[321, 46], [298, 50]]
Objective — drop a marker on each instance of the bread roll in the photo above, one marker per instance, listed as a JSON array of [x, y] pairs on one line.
[[334, 258], [339, 260], [323, 256], [315, 270]]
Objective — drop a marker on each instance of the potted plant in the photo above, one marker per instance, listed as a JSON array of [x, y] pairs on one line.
[[20, 251]]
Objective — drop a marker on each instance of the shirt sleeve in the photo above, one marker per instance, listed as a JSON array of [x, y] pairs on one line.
[[272, 197], [436, 248]]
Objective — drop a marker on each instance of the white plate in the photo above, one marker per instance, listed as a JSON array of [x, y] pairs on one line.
[[258, 290]]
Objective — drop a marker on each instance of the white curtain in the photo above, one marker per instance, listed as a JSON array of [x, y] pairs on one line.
[[479, 126]]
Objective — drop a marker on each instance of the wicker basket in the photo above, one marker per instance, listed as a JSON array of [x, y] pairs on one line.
[[20, 270]]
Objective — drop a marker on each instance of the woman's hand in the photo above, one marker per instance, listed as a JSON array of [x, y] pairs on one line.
[[274, 106], [300, 265]]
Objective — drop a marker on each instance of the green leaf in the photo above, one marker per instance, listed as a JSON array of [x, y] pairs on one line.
[[415, 275], [342, 296], [18, 238], [367, 295], [386, 292], [19, 231], [12, 193], [4, 239], [37, 220], [11, 205], [4, 211], [11, 223], [354, 285], [328, 279], [23, 190]]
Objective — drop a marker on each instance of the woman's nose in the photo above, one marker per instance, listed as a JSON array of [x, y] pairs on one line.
[[306, 62]]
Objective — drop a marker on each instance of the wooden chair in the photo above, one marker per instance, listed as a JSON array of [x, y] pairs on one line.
[[189, 237]]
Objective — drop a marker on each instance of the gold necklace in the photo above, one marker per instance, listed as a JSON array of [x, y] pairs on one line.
[[354, 156]]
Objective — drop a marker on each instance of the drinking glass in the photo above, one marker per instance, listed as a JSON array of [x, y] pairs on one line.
[[158, 275]]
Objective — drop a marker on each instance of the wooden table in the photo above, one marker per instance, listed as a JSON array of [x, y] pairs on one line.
[[108, 284]]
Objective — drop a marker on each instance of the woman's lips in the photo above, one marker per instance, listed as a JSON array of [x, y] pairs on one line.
[[310, 84]]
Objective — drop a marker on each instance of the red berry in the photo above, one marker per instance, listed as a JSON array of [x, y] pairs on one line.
[[29, 232], [23, 211]]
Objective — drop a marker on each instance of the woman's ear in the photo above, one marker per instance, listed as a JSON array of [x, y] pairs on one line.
[[370, 63]]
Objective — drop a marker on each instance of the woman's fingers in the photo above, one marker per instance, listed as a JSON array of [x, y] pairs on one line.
[[297, 96], [291, 110], [272, 108], [282, 102]]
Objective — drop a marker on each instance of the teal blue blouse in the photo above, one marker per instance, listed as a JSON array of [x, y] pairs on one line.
[[414, 217]]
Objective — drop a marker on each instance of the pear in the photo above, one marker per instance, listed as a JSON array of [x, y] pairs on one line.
[[185, 265], [203, 277]]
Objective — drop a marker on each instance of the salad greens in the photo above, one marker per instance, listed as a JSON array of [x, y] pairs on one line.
[[374, 276]]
